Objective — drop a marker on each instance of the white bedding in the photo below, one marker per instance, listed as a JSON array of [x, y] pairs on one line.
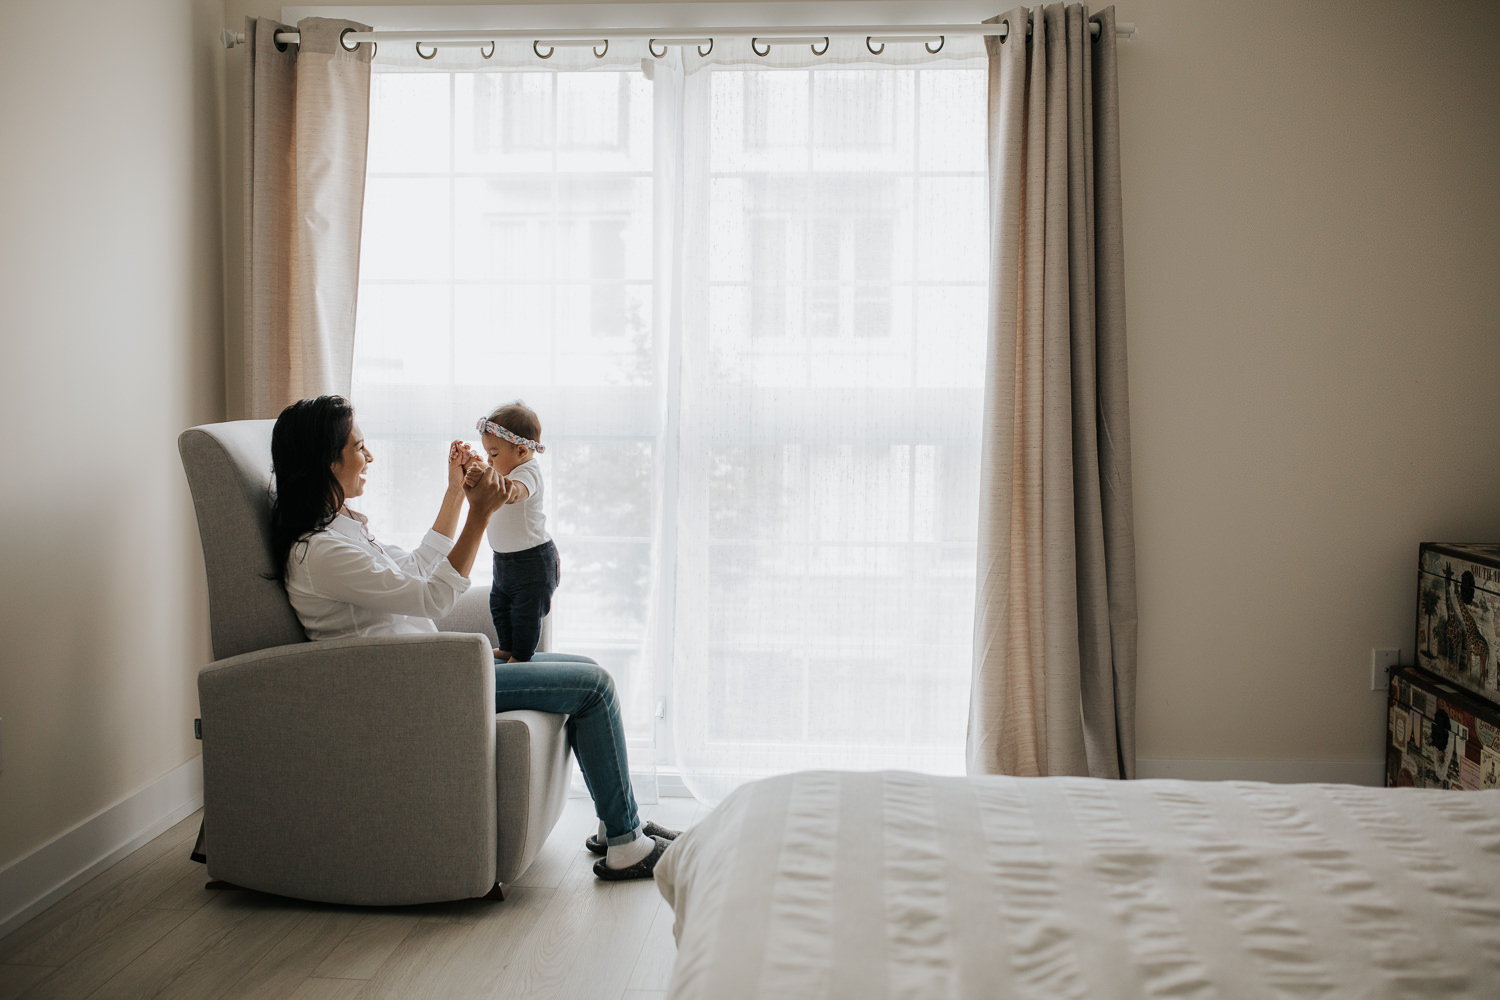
[[891, 884]]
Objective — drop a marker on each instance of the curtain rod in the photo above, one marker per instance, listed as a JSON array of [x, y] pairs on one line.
[[595, 37]]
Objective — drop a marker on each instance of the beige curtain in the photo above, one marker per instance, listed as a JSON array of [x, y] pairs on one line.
[[307, 118], [1055, 620]]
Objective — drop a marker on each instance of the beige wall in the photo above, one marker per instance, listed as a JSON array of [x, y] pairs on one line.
[[1312, 224], [111, 320]]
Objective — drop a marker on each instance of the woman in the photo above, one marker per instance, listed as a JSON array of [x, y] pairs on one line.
[[342, 582]]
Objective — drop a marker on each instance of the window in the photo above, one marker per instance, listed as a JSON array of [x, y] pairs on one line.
[[749, 309]]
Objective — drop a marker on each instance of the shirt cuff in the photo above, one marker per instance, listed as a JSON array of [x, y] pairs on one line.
[[439, 541], [451, 576]]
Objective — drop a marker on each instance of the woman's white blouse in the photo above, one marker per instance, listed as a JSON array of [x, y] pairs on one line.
[[344, 583]]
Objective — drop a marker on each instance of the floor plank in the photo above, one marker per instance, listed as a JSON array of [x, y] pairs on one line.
[[157, 966], [563, 846], [187, 893], [328, 989], [105, 902], [472, 962], [653, 966], [17, 979], [146, 927], [427, 947], [587, 941], [283, 969], [360, 955], [102, 957], [218, 969]]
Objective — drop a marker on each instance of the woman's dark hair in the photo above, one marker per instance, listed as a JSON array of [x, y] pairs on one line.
[[308, 438]]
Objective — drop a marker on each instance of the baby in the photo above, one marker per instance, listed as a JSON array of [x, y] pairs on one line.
[[526, 563]]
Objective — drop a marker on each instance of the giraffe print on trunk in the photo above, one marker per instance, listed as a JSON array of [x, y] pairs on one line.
[[1453, 631], [1474, 643]]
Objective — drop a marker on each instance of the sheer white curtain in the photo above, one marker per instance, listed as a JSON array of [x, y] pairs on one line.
[[746, 296], [508, 245]]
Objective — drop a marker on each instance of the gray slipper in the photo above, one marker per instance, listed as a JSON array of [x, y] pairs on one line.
[[598, 846], [641, 869]]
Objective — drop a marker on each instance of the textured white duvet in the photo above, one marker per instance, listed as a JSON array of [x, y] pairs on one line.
[[872, 885]]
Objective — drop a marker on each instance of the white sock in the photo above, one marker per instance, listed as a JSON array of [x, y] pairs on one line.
[[603, 837], [625, 855]]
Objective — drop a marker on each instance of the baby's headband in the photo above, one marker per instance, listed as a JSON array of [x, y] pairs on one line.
[[487, 426]]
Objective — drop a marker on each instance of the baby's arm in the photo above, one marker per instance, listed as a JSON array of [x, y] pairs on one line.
[[520, 483]]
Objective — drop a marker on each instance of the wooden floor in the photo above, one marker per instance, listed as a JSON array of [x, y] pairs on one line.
[[147, 927]]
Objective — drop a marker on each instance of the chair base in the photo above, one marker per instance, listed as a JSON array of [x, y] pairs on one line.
[[498, 894]]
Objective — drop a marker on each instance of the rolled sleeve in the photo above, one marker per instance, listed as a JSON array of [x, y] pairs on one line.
[[344, 571], [437, 540], [429, 554], [453, 578]]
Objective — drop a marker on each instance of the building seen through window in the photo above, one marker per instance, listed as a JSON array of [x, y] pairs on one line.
[[761, 421]]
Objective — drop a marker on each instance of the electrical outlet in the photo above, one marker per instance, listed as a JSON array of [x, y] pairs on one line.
[[1380, 659]]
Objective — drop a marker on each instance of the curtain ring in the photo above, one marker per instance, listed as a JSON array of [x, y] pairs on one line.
[[704, 52], [651, 48], [423, 54], [816, 51], [756, 49], [934, 51], [869, 44], [488, 54], [538, 51], [599, 53], [345, 45]]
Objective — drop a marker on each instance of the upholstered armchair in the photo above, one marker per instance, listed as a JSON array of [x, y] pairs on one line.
[[368, 771]]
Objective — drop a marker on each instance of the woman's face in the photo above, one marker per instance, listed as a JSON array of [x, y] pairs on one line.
[[349, 470]]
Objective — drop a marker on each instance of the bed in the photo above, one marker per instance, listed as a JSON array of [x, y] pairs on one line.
[[894, 885]]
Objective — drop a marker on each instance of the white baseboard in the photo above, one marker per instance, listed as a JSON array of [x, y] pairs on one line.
[[33, 883], [1282, 772]]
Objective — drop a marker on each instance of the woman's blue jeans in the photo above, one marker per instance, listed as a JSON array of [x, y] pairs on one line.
[[578, 687]]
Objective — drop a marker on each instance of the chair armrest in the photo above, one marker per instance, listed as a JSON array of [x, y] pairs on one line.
[[327, 764]]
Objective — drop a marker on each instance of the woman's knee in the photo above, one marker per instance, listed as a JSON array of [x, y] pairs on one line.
[[600, 680]]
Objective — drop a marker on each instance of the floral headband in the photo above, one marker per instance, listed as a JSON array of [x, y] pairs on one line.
[[487, 426]]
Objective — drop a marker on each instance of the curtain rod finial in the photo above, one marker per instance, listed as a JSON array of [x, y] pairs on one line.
[[231, 38]]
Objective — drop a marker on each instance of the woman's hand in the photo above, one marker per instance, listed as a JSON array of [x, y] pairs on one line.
[[481, 486], [486, 495], [460, 457]]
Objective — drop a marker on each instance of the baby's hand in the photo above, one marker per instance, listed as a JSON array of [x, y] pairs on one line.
[[475, 473]]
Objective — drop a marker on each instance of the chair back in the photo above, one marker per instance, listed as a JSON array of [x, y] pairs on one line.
[[228, 469]]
